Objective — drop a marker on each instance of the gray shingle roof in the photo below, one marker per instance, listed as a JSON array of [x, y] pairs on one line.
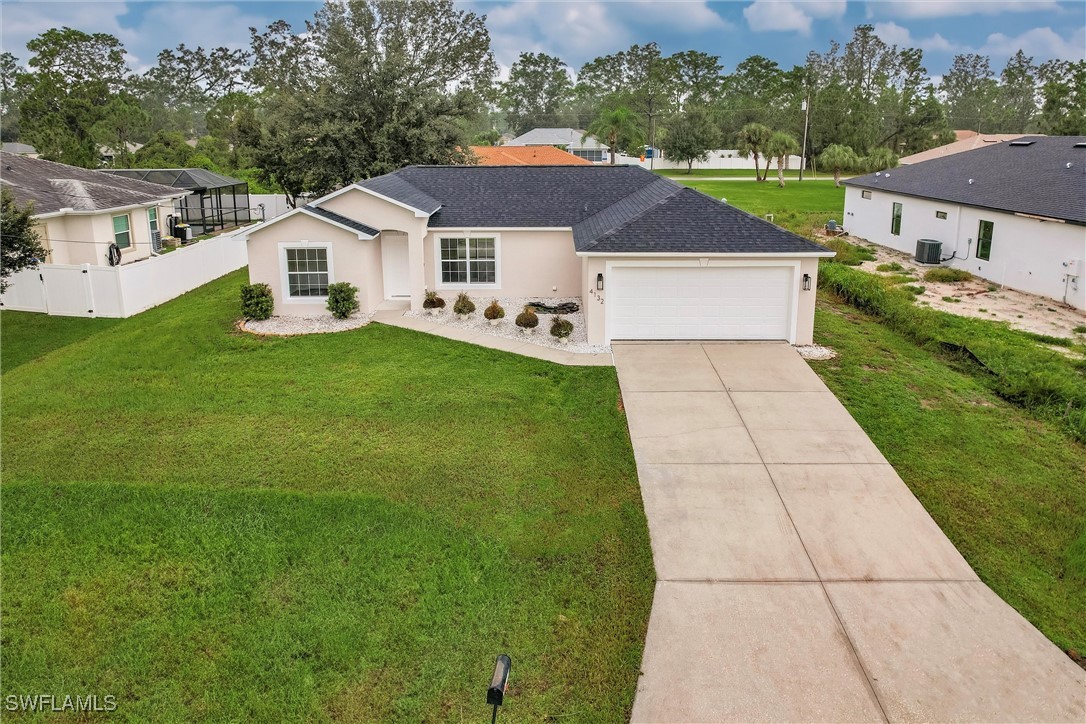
[[611, 209], [55, 186], [1031, 179], [193, 179], [569, 137], [342, 220]]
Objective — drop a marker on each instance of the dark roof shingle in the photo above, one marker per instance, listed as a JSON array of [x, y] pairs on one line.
[[342, 220], [1028, 179]]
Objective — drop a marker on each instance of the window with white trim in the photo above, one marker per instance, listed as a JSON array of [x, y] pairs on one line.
[[468, 260], [152, 220], [122, 231], [307, 272]]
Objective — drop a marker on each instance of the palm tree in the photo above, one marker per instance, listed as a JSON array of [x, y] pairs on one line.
[[839, 158], [752, 140], [613, 124], [780, 146], [879, 159]]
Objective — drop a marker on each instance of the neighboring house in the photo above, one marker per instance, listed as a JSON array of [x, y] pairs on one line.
[[965, 142], [1013, 213], [650, 258], [21, 149], [526, 156], [81, 212], [569, 139], [718, 159], [109, 155], [214, 201]]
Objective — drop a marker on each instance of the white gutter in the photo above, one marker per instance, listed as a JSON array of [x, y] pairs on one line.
[[712, 255], [67, 211]]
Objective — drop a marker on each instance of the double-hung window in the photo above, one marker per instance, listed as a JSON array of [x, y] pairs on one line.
[[895, 220], [984, 240], [307, 272], [122, 231], [469, 260], [152, 220]]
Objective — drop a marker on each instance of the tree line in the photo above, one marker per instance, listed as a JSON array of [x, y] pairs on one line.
[[368, 86]]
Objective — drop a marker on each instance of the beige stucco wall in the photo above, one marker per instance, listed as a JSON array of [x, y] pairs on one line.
[[595, 303], [351, 260], [85, 238], [530, 264]]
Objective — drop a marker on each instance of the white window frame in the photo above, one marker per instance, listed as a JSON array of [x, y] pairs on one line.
[[152, 226], [497, 283], [131, 237], [284, 276]]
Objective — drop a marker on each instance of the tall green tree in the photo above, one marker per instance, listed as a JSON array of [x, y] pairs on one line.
[[780, 146], [538, 90], [753, 138], [13, 84], [122, 121], [970, 90], [839, 158], [1017, 97], [618, 128], [691, 134], [20, 243], [1063, 112]]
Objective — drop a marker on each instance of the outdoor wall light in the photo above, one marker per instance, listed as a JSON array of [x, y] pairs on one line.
[[806, 282], [599, 282]]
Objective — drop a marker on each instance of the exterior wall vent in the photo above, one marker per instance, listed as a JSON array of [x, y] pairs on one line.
[[928, 251]]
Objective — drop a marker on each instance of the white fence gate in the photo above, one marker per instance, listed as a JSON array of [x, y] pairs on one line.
[[121, 291]]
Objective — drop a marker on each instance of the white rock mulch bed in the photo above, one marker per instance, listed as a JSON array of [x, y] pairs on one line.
[[288, 326], [815, 351], [506, 327]]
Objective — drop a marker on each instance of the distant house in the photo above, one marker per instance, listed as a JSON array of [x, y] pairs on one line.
[[109, 155], [967, 141], [213, 201], [567, 138], [21, 149], [1011, 212], [81, 213], [526, 156]]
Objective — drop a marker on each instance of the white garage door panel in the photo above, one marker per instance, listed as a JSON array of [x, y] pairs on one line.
[[741, 302]]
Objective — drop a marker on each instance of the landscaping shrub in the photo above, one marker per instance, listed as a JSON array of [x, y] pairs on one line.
[[463, 304], [561, 328], [342, 299], [256, 301], [433, 301], [494, 311], [952, 300], [527, 319], [947, 274], [891, 267], [913, 289], [1080, 329], [1041, 380], [848, 254]]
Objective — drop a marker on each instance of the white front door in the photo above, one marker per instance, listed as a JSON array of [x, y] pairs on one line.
[[396, 264], [680, 302]]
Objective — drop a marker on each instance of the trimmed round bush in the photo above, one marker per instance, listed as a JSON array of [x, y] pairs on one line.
[[527, 319], [561, 328], [342, 299], [463, 304], [433, 301], [256, 301], [494, 311]]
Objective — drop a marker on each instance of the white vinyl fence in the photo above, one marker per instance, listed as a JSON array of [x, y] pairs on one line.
[[120, 291], [274, 205]]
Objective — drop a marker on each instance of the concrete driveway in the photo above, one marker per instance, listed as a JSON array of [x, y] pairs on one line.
[[798, 579]]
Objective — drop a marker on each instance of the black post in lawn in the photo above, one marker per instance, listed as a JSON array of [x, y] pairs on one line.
[[495, 695]]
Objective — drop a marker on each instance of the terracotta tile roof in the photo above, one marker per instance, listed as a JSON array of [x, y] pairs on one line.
[[526, 156]]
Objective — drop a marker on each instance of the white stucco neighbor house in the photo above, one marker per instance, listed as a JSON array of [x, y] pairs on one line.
[[1013, 213], [79, 212], [568, 138], [649, 258]]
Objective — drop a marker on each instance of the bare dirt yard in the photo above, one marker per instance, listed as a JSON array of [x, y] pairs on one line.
[[980, 298]]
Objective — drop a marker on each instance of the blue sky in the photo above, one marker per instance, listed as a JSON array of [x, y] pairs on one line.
[[578, 31]]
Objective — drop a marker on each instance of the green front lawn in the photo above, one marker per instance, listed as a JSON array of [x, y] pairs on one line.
[[210, 525], [1007, 488]]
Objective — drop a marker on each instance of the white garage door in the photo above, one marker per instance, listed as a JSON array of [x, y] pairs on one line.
[[739, 302]]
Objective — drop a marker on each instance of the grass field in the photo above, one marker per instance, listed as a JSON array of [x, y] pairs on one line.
[[799, 207], [1007, 488], [679, 173], [209, 525]]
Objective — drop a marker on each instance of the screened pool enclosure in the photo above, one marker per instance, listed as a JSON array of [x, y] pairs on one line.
[[216, 202]]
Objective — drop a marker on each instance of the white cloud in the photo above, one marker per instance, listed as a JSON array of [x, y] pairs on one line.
[[1039, 43], [894, 34], [789, 16], [917, 9]]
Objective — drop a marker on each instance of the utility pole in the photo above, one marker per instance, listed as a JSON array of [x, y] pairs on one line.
[[806, 118]]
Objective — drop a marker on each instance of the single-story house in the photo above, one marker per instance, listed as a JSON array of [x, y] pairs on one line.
[[969, 142], [213, 201], [81, 212], [20, 149], [1013, 213], [571, 139], [526, 156], [650, 258]]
